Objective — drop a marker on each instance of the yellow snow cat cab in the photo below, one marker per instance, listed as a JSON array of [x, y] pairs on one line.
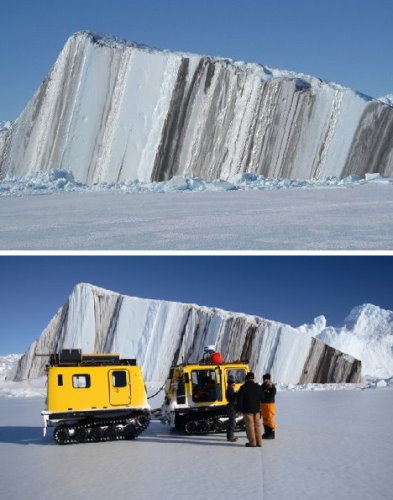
[[195, 400], [94, 397]]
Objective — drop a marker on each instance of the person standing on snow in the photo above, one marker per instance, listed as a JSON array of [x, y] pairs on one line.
[[249, 404], [231, 397], [268, 407]]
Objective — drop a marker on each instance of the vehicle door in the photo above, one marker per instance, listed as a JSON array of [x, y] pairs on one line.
[[119, 387]]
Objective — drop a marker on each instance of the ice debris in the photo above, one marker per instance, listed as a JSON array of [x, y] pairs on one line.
[[54, 181]]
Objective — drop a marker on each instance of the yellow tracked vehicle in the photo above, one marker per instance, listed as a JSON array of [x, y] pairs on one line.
[[94, 397], [195, 400]]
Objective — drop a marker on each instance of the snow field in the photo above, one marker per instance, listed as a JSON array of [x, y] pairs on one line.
[[357, 218], [329, 445]]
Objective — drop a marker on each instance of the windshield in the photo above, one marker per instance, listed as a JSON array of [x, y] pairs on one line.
[[204, 385], [238, 376]]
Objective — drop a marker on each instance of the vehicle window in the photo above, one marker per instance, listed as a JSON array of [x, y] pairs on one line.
[[119, 378], [239, 376], [204, 386], [60, 379], [180, 393], [81, 381]]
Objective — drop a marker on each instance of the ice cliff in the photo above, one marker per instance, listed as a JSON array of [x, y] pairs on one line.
[[367, 334], [159, 333], [114, 111]]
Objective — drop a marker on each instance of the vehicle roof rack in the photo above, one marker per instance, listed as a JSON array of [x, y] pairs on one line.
[[74, 357]]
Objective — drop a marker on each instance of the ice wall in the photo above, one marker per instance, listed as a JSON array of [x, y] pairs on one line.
[[159, 334], [5, 136], [367, 333], [114, 111]]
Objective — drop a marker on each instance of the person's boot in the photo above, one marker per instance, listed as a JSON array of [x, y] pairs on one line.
[[269, 433]]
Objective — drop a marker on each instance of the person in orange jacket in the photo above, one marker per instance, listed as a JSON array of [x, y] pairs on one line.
[[268, 406]]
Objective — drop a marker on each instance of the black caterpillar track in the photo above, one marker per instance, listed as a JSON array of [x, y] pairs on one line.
[[103, 430], [193, 424]]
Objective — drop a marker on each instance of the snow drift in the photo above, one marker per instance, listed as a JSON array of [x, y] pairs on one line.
[[159, 333], [115, 111]]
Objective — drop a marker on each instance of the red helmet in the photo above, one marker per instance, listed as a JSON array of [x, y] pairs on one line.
[[216, 358]]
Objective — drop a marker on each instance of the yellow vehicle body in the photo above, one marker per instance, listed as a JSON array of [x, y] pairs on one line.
[[187, 380], [95, 387], [195, 394], [94, 397]]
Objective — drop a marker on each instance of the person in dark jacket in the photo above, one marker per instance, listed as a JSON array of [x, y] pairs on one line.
[[249, 403], [268, 406], [231, 409]]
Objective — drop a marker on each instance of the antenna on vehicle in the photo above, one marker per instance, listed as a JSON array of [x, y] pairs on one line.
[[210, 355], [209, 349]]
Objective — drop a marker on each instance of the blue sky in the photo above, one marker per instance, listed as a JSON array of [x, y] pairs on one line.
[[346, 41], [291, 289]]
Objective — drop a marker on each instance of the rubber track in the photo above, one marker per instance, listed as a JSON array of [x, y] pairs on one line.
[[118, 423], [211, 424]]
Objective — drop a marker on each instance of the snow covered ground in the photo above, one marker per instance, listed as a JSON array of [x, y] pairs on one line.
[[278, 216], [330, 445]]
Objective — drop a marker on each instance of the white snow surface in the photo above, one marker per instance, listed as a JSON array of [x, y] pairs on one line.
[[248, 213], [8, 388], [329, 445]]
